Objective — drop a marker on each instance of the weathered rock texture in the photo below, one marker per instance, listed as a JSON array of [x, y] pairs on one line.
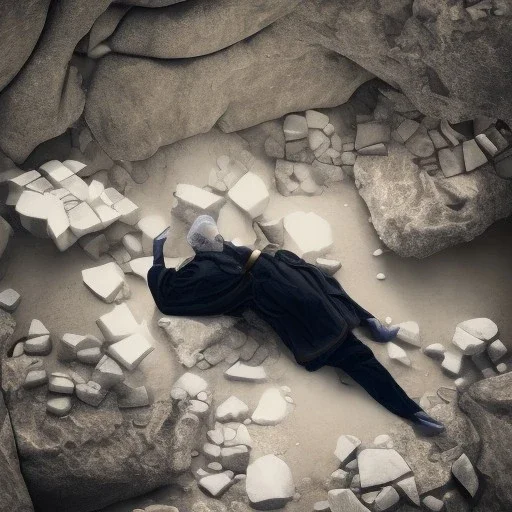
[[417, 214]]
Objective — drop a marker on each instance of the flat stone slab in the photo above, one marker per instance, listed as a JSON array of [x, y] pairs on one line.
[[344, 500], [130, 351], [60, 383], [379, 467], [216, 484], [191, 201], [250, 194], [232, 409], [117, 324], [346, 448], [482, 328], [474, 157], [83, 220], [271, 408], [244, 372], [105, 281], [269, 483]]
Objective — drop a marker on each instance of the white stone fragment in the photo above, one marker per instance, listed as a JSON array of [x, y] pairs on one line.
[[192, 384], [151, 226], [380, 276], [502, 368], [295, 127], [346, 448], [409, 332], [378, 252], [379, 467], [433, 504], [232, 409], [328, 265], [33, 209], [269, 483], [191, 201], [386, 499], [59, 406], [316, 119], [90, 393], [18, 349], [9, 300], [408, 486], [128, 211], [35, 378], [17, 186], [133, 245], [467, 343], [273, 230], [74, 166], [107, 373], [117, 324], [106, 214], [41, 185], [130, 351], [243, 372], [105, 281], [398, 354], [496, 350], [250, 194], [242, 436], [344, 500], [58, 225], [55, 172], [383, 441], [307, 234], [70, 344], [215, 484], [141, 266], [435, 350], [83, 220], [61, 383], [464, 472], [271, 408], [452, 363], [38, 346], [481, 328], [76, 186], [89, 355]]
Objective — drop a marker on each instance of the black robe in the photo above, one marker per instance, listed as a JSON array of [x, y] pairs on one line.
[[307, 308]]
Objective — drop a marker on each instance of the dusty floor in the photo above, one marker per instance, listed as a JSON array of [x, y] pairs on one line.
[[470, 280]]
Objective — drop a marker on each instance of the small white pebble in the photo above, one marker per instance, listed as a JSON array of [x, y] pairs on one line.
[[345, 204], [388, 320], [381, 276], [378, 252], [502, 368], [247, 421], [286, 389], [297, 444], [289, 399], [194, 453]]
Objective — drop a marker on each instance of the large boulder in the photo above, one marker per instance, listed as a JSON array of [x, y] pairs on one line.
[[190, 29], [488, 404], [452, 62], [416, 214], [46, 97], [163, 101], [94, 456], [20, 26]]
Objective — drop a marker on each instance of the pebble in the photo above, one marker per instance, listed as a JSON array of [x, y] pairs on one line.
[[388, 320], [271, 408], [398, 354], [502, 368], [386, 499], [35, 378], [467, 343], [194, 453], [216, 466], [38, 346], [452, 363], [496, 350], [61, 383], [378, 252], [289, 399], [381, 276], [232, 409], [346, 447], [464, 472], [433, 504], [59, 406], [9, 300], [435, 350], [18, 349]]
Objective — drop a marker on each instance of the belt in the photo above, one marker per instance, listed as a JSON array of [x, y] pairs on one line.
[[252, 260]]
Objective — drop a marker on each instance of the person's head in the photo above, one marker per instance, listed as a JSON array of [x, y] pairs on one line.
[[204, 235]]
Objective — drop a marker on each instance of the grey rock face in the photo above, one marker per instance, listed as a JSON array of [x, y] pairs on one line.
[[416, 214]]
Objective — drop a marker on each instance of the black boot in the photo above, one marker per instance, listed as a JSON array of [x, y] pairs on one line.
[[381, 333], [427, 425]]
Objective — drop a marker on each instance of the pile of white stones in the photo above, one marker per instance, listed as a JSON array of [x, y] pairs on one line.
[[121, 351], [474, 340], [310, 155], [55, 202]]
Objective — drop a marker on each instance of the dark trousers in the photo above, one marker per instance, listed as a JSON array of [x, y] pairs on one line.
[[358, 361]]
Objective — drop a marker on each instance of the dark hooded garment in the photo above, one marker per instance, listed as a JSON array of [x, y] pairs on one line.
[[307, 308]]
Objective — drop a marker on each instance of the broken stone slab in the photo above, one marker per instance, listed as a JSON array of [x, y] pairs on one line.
[[371, 133], [328, 265], [374, 150], [61, 383], [243, 372], [151, 226], [451, 161], [17, 186], [318, 141], [386, 499], [380, 467], [409, 332], [107, 373], [105, 281], [344, 500], [215, 484], [420, 144], [55, 172], [409, 489], [250, 194], [451, 135], [90, 393], [75, 166], [133, 245], [271, 408], [482, 328], [128, 397], [76, 186], [273, 230], [71, 344], [269, 484], [464, 472], [452, 363], [94, 245], [83, 220], [295, 127], [33, 209], [89, 355], [235, 458], [346, 447], [467, 343], [473, 155], [232, 409], [496, 350], [117, 324], [435, 351], [398, 354], [106, 214], [41, 185], [192, 384], [242, 437], [130, 351], [128, 211], [437, 139], [38, 346], [307, 234], [432, 504], [35, 378], [315, 119], [59, 406], [9, 300], [191, 201], [407, 128], [58, 225]]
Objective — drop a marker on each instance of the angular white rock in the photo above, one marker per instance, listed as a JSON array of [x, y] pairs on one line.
[[55, 172], [240, 371], [316, 119], [271, 408], [273, 230], [380, 276], [496, 350], [379, 467], [151, 226], [467, 343], [408, 486], [94, 245], [70, 344], [215, 484], [83, 220], [482, 328], [106, 214], [464, 472], [107, 373], [346, 448], [76, 186], [191, 201], [38, 346], [409, 332], [398, 354], [452, 363], [386, 499], [58, 227], [433, 504], [41, 185], [117, 324], [344, 500], [269, 483], [435, 350], [61, 383], [128, 211], [74, 166], [307, 234], [192, 384], [17, 186], [105, 281], [33, 209], [232, 409], [133, 245], [35, 378], [9, 300], [130, 351], [250, 194]]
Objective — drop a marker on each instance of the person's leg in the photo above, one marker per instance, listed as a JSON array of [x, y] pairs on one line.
[[358, 361]]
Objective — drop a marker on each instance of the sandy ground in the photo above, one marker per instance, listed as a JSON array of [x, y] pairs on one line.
[[467, 281]]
